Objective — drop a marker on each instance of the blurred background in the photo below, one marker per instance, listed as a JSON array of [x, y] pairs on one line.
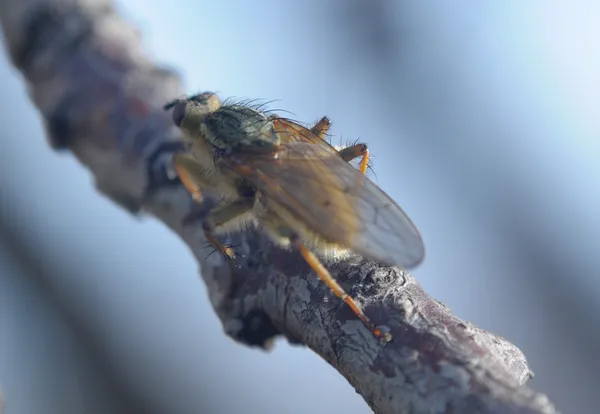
[[483, 122]]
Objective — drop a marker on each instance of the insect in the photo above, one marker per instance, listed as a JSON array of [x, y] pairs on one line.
[[292, 185]]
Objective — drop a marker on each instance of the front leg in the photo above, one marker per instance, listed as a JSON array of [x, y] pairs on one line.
[[192, 174]]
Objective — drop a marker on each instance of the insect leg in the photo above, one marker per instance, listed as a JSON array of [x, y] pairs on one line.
[[349, 153], [382, 333], [320, 128], [219, 217], [355, 151], [191, 174]]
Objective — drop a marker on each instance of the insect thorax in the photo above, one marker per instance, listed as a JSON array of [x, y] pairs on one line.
[[239, 128]]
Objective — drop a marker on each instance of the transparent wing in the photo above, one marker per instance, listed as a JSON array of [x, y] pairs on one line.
[[289, 132], [333, 199]]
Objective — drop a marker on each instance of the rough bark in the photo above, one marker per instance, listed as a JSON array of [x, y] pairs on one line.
[[100, 97]]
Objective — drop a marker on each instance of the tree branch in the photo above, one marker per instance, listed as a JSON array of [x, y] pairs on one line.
[[100, 97]]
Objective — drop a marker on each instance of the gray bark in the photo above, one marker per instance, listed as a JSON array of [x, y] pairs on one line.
[[100, 97]]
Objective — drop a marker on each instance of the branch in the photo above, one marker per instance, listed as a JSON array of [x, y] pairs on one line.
[[100, 97]]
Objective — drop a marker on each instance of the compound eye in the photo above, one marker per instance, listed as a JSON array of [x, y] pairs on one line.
[[179, 113]]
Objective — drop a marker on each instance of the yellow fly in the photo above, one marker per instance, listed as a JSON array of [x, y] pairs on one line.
[[289, 183]]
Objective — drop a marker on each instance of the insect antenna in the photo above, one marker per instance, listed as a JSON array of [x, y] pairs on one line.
[[171, 104]]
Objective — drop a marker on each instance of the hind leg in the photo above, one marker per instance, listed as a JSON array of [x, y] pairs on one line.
[[284, 236], [321, 128], [355, 151], [381, 333]]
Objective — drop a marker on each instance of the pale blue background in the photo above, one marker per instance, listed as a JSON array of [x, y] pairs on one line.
[[483, 122]]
